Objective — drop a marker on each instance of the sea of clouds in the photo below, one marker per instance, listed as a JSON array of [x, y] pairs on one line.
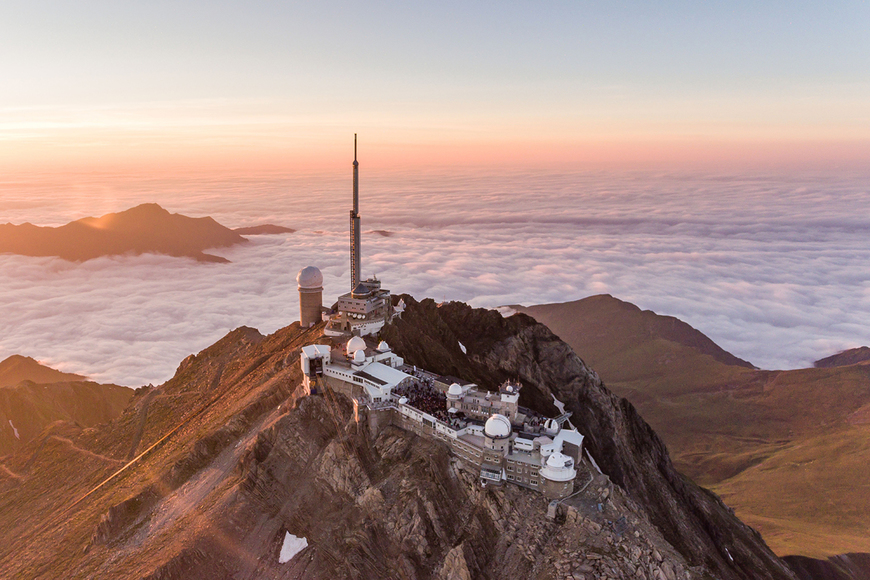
[[775, 268]]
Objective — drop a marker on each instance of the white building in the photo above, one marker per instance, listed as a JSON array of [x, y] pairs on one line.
[[500, 451], [358, 371]]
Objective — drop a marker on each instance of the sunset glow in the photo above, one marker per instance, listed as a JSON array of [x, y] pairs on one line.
[[160, 87]]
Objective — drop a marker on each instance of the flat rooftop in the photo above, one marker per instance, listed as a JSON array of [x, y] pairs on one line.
[[475, 440]]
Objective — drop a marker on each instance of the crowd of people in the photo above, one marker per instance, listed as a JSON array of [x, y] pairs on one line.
[[423, 395]]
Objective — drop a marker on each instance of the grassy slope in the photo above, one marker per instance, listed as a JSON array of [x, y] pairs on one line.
[[779, 446]]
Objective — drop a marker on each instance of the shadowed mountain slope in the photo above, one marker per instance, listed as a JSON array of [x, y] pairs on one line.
[[229, 455], [614, 329], [33, 396], [147, 228], [852, 356], [28, 408], [788, 449]]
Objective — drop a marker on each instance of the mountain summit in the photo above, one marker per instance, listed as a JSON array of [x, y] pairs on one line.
[[17, 368], [146, 228], [231, 470]]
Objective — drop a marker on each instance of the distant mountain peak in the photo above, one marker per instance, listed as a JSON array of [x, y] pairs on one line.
[[17, 368], [147, 228], [848, 357], [624, 323]]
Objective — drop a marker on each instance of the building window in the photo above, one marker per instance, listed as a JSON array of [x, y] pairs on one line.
[[534, 482]]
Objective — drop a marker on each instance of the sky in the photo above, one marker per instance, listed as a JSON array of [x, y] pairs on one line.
[[187, 86]]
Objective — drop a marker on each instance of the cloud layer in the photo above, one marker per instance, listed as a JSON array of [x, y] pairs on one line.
[[774, 268]]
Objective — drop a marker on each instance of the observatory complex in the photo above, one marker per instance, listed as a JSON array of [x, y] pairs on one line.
[[491, 434]]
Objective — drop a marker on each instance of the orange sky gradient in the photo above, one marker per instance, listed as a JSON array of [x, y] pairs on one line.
[[192, 87]]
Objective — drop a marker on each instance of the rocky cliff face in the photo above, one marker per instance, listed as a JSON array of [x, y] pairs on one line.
[[204, 476], [692, 519]]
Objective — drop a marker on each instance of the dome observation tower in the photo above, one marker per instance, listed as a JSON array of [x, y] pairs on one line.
[[310, 282], [497, 433], [557, 476], [454, 398]]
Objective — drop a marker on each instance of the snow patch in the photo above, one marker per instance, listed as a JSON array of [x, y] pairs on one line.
[[559, 404], [14, 429], [462, 348], [292, 546], [589, 455]]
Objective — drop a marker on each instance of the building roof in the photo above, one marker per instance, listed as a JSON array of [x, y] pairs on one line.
[[449, 379], [387, 374], [361, 290], [533, 458], [313, 350], [372, 378]]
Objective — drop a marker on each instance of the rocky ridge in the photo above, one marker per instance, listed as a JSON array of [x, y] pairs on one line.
[[202, 477]]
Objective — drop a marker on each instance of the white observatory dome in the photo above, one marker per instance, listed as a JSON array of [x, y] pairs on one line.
[[559, 467], [551, 426], [354, 344], [497, 427], [359, 356], [558, 460], [454, 391], [309, 278], [383, 346]]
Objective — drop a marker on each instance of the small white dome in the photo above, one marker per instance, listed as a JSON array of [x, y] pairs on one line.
[[559, 467], [359, 356], [309, 278], [383, 346], [403, 400], [354, 344], [497, 427], [558, 460], [454, 390], [552, 426]]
